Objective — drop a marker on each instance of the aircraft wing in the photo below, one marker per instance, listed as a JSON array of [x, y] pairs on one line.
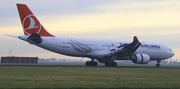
[[126, 49]]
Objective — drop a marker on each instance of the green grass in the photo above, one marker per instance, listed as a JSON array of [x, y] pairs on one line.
[[150, 65], [88, 77]]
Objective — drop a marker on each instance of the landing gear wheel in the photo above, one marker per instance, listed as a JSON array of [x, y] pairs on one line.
[[94, 63], [107, 64], [88, 63], [111, 64], [114, 64], [158, 65], [91, 63]]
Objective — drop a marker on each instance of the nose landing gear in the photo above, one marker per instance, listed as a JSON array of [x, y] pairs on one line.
[[158, 63]]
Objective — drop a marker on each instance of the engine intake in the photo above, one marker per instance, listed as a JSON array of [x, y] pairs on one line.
[[140, 58]]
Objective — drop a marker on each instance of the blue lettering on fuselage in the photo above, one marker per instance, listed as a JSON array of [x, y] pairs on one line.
[[146, 46], [122, 43], [150, 46]]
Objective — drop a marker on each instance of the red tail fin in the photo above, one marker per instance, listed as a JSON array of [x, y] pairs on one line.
[[30, 23]]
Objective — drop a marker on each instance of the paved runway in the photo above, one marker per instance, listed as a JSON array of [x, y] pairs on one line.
[[88, 66]]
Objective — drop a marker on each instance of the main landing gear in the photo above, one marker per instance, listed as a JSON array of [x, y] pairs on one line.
[[110, 63], [91, 63], [158, 63]]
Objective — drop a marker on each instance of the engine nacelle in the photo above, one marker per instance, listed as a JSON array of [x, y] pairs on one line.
[[140, 58]]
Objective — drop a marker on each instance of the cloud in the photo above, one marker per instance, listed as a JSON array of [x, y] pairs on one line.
[[106, 21], [116, 15], [139, 5]]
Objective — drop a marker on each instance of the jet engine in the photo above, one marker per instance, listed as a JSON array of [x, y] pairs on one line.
[[140, 58]]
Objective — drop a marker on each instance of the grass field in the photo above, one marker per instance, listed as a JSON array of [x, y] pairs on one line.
[[88, 77]]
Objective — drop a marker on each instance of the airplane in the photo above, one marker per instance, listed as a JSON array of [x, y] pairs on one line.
[[104, 51]]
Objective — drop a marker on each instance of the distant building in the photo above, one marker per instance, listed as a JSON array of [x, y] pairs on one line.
[[19, 59]]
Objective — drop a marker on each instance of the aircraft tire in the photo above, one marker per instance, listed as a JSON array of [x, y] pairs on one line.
[[94, 63], [91, 63], [158, 65], [107, 63], [114, 64], [87, 63]]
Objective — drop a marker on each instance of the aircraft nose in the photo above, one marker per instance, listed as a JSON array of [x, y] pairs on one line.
[[172, 53]]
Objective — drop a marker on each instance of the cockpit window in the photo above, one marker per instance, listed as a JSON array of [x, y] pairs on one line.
[[170, 49]]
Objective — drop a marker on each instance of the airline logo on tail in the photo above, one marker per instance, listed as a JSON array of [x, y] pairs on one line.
[[30, 23]]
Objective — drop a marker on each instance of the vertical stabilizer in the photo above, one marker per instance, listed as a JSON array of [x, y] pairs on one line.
[[30, 23]]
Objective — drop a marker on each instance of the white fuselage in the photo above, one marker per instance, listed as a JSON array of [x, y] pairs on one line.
[[97, 49]]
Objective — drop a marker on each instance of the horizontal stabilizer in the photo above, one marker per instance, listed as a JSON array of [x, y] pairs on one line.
[[11, 36]]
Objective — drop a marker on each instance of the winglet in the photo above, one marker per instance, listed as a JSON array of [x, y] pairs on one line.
[[135, 39]]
